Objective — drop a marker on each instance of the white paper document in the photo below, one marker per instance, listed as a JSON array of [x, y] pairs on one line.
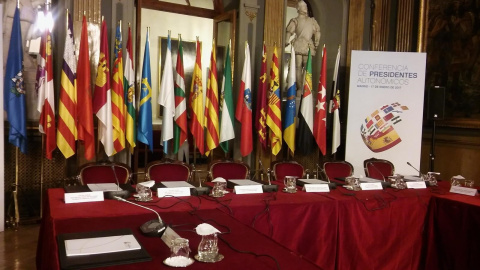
[[174, 184], [313, 181], [103, 187], [243, 182], [101, 245]]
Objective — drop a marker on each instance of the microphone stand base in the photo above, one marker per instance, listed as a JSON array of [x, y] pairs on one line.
[[198, 191], [270, 188]]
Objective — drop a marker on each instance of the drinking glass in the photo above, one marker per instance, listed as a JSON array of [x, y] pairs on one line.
[[144, 193], [353, 182], [290, 183], [208, 248], [469, 183], [455, 181], [218, 189], [180, 248]]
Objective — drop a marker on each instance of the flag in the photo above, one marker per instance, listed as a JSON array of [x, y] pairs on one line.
[[305, 137], [320, 122], [118, 102], [226, 118], [46, 98], [274, 115], [129, 95], [84, 96], [144, 132], [102, 97], [166, 98], [244, 106], [67, 111], [14, 88], [196, 102], [261, 108], [289, 123], [180, 125], [211, 104], [335, 107]]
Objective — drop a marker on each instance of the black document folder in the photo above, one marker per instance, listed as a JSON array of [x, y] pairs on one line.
[[98, 260]]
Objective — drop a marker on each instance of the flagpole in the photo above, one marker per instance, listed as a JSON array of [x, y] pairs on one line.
[[15, 192]]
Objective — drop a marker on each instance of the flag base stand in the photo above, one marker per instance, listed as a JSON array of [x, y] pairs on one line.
[[198, 191], [270, 188]]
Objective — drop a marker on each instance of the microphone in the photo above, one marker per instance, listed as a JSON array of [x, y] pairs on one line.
[[419, 173], [200, 190], [152, 228], [384, 183], [269, 187], [119, 192], [332, 185]]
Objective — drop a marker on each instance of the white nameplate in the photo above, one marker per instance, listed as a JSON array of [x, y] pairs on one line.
[[175, 192], [416, 184], [371, 186], [248, 189], [316, 188], [464, 190], [168, 236], [78, 197]]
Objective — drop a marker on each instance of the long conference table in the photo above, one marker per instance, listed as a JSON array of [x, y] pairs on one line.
[[386, 229]]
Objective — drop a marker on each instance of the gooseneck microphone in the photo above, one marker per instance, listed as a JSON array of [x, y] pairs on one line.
[[323, 173], [119, 192], [384, 182], [419, 173], [152, 228], [263, 171]]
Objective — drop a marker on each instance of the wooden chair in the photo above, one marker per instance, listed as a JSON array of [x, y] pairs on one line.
[[378, 168], [337, 169], [167, 170], [287, 168], [104, 172], [228, 169]]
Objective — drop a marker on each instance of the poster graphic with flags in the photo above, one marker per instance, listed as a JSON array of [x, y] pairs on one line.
[[290, 111], [46, 98], [180, 124], [274, 114], [67, 111], [226, 117], [305, 137], [261, 108], [144, 131], [129, 95], [385, 109], [84, 97], [320, 121], [14, 88], [166, 98], [244, 106]]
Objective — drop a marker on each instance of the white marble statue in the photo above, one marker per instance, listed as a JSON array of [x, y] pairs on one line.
[[306, 32]]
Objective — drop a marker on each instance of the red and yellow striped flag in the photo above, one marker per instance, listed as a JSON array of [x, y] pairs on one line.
[[67, 111], [196, 102], [211, 105], [274, 114], [118, 103]]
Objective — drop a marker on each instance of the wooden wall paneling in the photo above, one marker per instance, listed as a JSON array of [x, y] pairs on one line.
[[356, 16], [405, 16], [92, 9], [274, 20], [380, 25]]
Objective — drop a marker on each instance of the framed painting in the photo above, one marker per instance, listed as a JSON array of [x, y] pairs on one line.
[[453, 58]]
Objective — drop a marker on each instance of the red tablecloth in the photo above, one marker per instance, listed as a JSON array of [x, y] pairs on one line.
[[66, 218], [453, 231]]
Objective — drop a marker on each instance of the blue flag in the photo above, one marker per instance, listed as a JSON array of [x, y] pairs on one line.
[[144, 131], [14, 88]]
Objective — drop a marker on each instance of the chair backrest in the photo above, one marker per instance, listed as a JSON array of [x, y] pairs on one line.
[[340, 169], [104, 172], [287, 168], [167, 170], [228, 169], [378, 168]]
